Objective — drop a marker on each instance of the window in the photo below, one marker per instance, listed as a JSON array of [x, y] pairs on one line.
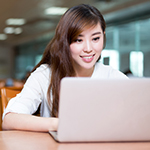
[[110, 57], [136, 63]]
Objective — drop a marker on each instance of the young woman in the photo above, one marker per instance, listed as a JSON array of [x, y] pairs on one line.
[[73, 52]]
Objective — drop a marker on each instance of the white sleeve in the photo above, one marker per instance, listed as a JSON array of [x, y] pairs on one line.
[[33, 93]]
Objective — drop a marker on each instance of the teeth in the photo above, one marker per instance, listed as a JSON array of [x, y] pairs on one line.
[[88, 57]]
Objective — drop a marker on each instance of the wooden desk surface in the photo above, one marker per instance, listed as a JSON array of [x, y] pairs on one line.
[[21, 140]]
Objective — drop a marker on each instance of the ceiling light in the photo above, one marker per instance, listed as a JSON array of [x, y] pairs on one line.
[[3, 36], [12, 30], [15, 21], [9, 30], [55, 10], [18, 30]]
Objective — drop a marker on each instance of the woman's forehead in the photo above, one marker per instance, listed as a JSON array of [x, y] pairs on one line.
[[94, 28]]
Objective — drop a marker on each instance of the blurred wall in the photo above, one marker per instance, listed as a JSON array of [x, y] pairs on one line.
[[6, 61]]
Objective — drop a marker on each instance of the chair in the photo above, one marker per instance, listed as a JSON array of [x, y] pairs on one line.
[[8, 93]]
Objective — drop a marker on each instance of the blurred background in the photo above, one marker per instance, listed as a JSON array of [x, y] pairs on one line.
[[26, 27]]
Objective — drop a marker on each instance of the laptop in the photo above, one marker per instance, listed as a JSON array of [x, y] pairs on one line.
[[96, 110]]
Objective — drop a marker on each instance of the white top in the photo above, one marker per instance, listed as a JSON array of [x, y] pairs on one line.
[[35, 89]]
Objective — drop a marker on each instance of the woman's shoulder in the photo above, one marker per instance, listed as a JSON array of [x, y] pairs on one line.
[[106, 71], [102, 68], [43, 69], [39, 78], [40, 74]]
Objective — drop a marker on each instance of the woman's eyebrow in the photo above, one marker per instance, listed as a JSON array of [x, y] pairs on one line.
[[80, 35], [96, 33]]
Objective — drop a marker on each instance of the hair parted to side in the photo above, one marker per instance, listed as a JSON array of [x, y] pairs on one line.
[[57, 54]]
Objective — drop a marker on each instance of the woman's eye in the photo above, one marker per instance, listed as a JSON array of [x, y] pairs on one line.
[[96, 39], [78, 40]]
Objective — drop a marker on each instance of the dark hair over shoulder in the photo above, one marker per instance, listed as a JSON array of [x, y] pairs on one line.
[[57, 54]]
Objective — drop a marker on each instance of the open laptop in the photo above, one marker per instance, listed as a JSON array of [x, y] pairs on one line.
[[95, 110]]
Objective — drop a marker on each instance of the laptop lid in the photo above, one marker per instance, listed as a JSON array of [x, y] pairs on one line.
[[104, 110]]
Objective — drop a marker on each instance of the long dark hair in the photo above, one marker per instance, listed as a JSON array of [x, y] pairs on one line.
[[57, 54]]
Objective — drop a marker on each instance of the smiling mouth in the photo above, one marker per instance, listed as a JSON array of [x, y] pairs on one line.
[[88, 57]]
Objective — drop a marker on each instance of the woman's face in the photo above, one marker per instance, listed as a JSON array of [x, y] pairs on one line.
[[86, 49]]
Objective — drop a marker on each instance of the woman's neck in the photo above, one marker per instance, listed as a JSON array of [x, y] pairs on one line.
[[84, 72]]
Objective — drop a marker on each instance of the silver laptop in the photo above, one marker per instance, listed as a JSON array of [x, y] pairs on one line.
[[94, 110]]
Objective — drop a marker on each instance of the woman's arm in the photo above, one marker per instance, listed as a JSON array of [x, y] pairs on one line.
[[14, 121]]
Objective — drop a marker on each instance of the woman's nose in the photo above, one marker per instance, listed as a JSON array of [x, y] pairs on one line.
[[88, 46]]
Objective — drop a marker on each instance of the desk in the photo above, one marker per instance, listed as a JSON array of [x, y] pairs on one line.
[[21, 140]]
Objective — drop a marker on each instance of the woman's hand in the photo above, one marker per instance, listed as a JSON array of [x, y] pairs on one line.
[[54, 122]]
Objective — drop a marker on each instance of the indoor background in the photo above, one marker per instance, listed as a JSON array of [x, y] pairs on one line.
[[26, 27]]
